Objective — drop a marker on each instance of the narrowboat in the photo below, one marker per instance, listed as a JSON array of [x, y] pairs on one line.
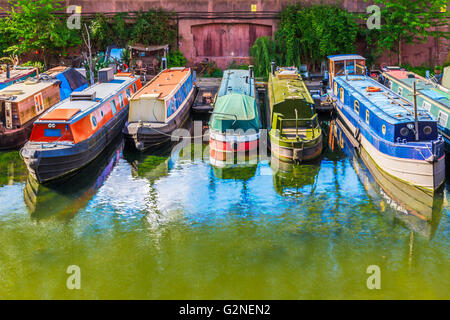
[[419, 210], [160, 107], [15, 74], [22, 103], [235, 123], [402, 140], [295, 133], [430, 96], [74, 132], [64, 199]]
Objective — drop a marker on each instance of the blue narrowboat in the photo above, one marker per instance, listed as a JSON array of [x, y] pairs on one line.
[[404, 145], [431, 96]]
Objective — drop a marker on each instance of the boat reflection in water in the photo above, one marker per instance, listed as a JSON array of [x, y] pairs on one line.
[[240, 167], [419, 210], [12, 168], [66, 197], [294, 180]]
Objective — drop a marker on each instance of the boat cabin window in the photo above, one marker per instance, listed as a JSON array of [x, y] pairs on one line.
[[426, 105], [442, 119], [128, 93], [367, 116], [134, 87], [52, 132], [94, 121], [342, 95], [339, 68], [335, 89], [113, 107], [121, 101], [357, 107]]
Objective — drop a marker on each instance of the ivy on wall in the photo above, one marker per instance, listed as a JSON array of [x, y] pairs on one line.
[[152, 27]]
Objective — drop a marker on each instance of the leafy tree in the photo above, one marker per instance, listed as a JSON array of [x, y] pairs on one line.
[[313, 32], [33, 26], [154, 27], [306, 33], [176, 58], [264, 51], [409, 21]]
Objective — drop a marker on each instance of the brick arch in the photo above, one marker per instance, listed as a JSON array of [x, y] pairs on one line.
[[226, 41]]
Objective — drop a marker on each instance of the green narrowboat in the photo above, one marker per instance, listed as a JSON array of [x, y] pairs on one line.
[[431, 96], [295, 133]]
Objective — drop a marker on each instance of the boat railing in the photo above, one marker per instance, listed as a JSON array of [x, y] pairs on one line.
[[305, 124], [226, 115]]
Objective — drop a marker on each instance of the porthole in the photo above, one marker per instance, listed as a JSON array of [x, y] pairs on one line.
[[367, 116], [404, 131], [356, 107], [383, 129], [94, 121], [427, 130]]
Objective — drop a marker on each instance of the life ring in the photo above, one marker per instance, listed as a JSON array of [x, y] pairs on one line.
[[373, 89]]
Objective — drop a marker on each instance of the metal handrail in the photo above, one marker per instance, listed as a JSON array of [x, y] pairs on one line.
[[308, 120], [226, 114]]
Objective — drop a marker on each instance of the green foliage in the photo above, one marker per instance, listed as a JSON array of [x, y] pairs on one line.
[[312, 33], [263, 52], [234, 65], [306, 33], [409, 21], [211, 70], [32, 25], [154, 27], [36, 64], [175, 58], [151, 27]]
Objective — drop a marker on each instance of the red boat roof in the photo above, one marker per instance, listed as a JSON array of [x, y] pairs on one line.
[[60, 114]]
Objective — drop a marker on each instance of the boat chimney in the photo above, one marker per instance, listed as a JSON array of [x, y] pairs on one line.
[[272, 68], [164, 63], [250, 69], [8, 72], [416, 121]]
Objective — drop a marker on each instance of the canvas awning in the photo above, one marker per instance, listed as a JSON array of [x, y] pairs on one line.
[[141, 47]]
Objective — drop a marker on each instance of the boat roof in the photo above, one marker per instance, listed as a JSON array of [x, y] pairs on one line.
[[103, 91], [164, 83], [386, 104], [16, 72], [242, 106], [288, 84], [342, 57], [237, 82], [20, 91], [424, 86]]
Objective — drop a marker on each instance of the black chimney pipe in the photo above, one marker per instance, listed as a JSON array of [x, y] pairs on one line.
[[8, 72], [272, 68], [250, 69]]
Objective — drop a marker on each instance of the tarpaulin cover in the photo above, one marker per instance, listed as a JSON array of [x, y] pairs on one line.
[[235, 111], [71, 80]]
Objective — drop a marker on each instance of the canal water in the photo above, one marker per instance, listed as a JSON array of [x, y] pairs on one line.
[[171, 226]]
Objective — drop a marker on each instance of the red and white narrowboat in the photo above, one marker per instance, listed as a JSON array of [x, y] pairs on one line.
[[75, 131]]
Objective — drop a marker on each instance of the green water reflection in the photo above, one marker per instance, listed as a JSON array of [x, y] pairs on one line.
[[172, 226]]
